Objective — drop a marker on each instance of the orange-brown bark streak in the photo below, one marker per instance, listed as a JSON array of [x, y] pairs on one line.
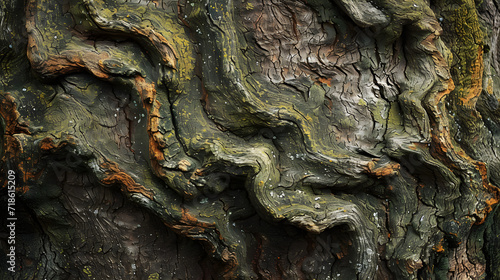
[[114, 175], [13, 147]]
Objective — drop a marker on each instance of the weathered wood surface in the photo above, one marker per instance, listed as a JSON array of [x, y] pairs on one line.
[[248, 139]]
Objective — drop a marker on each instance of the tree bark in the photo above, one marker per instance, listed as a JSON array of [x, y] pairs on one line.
[[249, 139]]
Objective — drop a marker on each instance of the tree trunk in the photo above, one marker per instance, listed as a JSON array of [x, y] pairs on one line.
[[249, 139]]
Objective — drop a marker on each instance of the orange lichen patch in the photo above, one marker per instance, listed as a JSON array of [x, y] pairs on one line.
[[23, 189], [439, 247], [444, 150], [412, 147], [382, 171], [440, 95], [199, 172], [476, 75], [154, 121], [339, 255], [156, 141], [47, 144], [442, 144], [493, 190], [190, 226], [481, 167], [457, 222], [30, 176], [327, 81], [155, 150], [189, 219], [146, 90], [441, 139], [114, 175], [14, 147], [147, 93], [9, 113]]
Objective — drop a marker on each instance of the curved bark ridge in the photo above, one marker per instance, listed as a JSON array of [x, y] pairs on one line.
[[362, 116]]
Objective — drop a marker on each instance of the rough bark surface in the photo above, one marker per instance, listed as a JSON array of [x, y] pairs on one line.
[[251, 139]]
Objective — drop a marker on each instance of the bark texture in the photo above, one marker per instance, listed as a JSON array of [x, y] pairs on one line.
[[251, 139]]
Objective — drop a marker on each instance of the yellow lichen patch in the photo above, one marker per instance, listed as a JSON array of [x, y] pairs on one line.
[[249, 6], [87, 271], [469, 95], [489, 87], [154, 276]]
